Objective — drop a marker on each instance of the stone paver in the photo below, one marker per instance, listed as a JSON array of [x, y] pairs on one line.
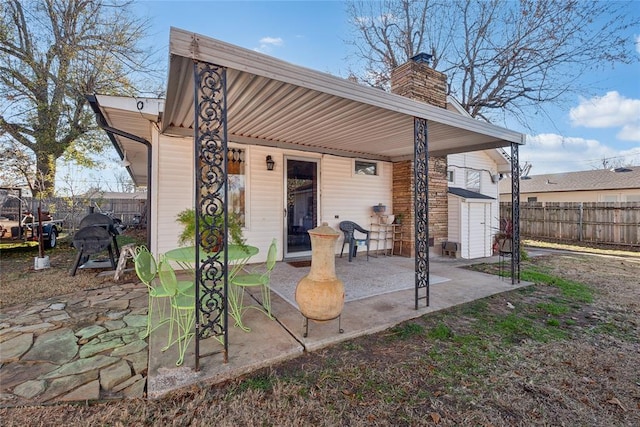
[[127, 383], [85, 334], [96, 346], [77, 347], [89, 391], [131, 348], [82, 365], [15, 347], [30, 389], [114, 374], [57, 346], [64, 385]]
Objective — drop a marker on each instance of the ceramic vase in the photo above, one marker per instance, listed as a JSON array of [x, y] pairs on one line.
[[320, 294]]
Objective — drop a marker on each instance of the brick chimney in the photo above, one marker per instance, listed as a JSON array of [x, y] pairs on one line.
[[416, 80]]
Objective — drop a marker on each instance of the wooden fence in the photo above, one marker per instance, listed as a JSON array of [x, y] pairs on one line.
[[72, 210], [611, 223]]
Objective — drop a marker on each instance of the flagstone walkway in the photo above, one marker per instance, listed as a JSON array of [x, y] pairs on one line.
[[80, 346]]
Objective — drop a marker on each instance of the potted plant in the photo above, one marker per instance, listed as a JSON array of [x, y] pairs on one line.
[[187, 218], [502, 241]]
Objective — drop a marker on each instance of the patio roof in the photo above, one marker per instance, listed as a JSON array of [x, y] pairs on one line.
[[274, 103]]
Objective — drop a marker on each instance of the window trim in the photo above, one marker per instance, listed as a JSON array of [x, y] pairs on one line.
[[466, 184], [377, 165], [247, 182], [451, 177]]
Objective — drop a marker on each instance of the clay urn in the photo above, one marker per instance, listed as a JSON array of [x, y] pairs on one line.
[[320, 294]]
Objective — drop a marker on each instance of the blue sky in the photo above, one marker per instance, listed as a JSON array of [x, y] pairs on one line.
[[605, 123]]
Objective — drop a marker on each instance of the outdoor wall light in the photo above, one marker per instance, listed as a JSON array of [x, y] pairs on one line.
[[270, 163]]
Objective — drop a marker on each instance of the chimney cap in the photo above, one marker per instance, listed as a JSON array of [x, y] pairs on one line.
[[422, 58]]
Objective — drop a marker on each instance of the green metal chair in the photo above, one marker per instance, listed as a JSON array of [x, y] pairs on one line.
[[241, 281], [146, 269], [183, 309]]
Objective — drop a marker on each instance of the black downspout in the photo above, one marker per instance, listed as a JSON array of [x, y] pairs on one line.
[[102, 123]]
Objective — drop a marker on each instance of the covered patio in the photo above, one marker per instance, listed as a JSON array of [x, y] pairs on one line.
[[217, 92]]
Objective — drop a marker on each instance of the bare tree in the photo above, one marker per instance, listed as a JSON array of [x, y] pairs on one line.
[[499, 56], [53, 53], [123, 182]]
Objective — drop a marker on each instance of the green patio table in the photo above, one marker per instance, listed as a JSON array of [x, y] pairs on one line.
[[237, 257]]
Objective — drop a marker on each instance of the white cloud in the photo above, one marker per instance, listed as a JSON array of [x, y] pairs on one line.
[[268, 43], [630, 132], [552, 153], [609, 111], [273, 41], [637, 44]]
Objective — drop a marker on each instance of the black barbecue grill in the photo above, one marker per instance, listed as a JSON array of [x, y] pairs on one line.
[[97, 233]]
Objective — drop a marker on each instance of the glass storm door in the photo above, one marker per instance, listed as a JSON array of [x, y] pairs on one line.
[[301, 210]]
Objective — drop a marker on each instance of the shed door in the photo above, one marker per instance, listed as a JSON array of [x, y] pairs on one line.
[[478, 227]]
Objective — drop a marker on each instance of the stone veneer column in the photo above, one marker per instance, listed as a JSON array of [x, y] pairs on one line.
[[402, 199], [420, 82]]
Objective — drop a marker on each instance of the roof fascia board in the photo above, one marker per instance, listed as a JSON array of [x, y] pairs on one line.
[[150, 108], [194, 46]]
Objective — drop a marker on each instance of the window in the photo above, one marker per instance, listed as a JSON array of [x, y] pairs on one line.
[[633, 198], [532, 199], [236, 180], [450, 175], [365, 168], [236, 176], [473, 180]]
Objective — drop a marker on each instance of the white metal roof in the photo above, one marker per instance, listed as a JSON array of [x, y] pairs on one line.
[[271, 102]]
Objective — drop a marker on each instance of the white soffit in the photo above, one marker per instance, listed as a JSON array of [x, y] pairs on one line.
[[272, 102], [134, 116]]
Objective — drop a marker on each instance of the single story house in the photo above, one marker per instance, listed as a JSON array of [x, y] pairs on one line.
[[343, 155], [296, 148], [602, 185]]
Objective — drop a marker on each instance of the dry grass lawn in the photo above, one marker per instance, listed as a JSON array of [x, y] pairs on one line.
[[564, 351]]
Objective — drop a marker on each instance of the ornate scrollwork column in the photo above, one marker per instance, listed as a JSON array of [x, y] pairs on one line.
[[515, 213], [210, 128], [421, 205]]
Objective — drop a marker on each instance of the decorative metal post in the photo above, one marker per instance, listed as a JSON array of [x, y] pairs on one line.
[[421, 207], [210, 129], [515, 213]]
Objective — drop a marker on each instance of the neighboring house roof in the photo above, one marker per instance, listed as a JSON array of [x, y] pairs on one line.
[[603, 179], [468, 194]]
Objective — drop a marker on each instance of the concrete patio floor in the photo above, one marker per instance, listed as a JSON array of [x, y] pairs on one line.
[[273, 341]]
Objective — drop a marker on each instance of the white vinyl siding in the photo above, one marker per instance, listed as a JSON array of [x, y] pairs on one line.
[[476, 161], [174, 189], [342, 193], [454, 232], [351, 197], [475, 239], [265, 204]]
